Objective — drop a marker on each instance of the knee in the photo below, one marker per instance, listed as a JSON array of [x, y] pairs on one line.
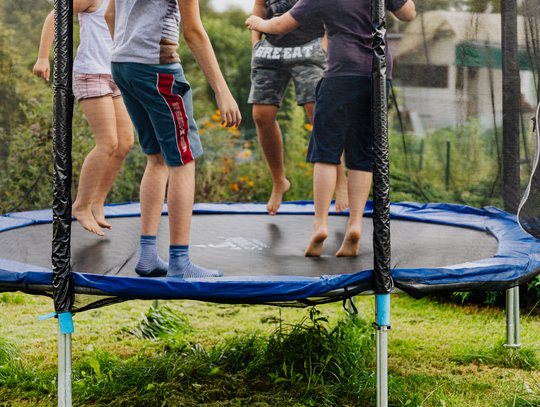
[[124, 147], [263, 119], [109, 147]]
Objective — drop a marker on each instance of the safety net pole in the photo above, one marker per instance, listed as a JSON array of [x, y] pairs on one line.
[[381, 198], [62, 136], [511, 155]]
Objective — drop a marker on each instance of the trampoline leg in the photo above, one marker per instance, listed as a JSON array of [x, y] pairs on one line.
[[382, 326], [512, 318], [64, 370]]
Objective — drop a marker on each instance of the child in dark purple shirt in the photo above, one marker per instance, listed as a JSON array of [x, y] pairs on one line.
[[342, 119]]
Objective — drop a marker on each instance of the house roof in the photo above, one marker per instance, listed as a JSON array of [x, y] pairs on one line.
[[461, 26]]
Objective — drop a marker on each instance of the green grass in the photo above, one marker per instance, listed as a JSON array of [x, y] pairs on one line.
[[440, 354]]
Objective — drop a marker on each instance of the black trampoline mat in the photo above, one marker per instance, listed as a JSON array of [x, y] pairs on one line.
[[253, 245]]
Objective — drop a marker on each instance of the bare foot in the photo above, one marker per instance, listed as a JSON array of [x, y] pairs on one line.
[[316, 242], [350, 244], [277, 195], [86, 219], [342, 197], [99, 216]]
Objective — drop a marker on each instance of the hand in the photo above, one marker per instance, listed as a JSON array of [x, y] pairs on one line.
[[42, 68], [230, 114], [254, 23]]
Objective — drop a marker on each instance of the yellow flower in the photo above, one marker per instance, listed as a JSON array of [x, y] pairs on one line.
[[245, 154], [251, 183], [216, 116], [308, 127], [234, 132], [244, 179]]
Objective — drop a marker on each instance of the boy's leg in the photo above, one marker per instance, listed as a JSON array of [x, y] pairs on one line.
[[152, 197], [342, 193], [324, 184], [99, 112], [269, 134], [124, 132], [152, 193], [342, 197], [180, 196], [359, 187]]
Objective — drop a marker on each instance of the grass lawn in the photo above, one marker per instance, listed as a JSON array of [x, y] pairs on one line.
[[440, 354]]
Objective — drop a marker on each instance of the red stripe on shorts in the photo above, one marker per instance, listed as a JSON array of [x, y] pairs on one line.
[[176, 105]]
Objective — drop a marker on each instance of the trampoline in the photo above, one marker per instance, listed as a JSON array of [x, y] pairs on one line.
[[435, 248]]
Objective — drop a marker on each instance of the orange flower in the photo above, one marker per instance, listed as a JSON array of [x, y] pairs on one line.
[[244, 179], [309, 127], [216, 116], [251, 183], [234, 187]]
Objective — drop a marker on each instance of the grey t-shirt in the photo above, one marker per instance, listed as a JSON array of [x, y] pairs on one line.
[[146, 31], [348, 29]]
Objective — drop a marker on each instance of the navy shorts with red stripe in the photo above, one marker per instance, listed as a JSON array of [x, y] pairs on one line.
[[342, 121], [158, 100]]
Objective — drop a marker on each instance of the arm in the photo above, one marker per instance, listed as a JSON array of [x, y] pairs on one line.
[[201, 48], [277, 25], [259, 10], [110, 15], [407, 12], [42, 67]]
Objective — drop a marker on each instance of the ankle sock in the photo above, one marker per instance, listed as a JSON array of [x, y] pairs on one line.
[[180, 266], [149, 264]]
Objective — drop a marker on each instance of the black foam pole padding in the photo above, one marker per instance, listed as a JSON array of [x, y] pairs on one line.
[[381, 175], [62, 135], [511, 106]]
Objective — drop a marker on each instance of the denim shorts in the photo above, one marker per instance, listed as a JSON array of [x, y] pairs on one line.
[[273, 67], [158, 100], [342, 121]]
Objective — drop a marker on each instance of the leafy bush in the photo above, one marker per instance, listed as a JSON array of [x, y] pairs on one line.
[[161, 322]]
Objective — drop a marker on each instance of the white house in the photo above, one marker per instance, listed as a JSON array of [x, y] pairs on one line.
[[448, 68]]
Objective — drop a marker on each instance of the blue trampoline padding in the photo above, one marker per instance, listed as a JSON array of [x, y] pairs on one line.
[[518, 256]]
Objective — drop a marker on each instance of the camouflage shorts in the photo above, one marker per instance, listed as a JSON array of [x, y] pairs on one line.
[[273, 67]]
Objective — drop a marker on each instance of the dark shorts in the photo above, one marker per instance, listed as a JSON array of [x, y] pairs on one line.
[[273, 67], [342, 121], [158, 100]]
